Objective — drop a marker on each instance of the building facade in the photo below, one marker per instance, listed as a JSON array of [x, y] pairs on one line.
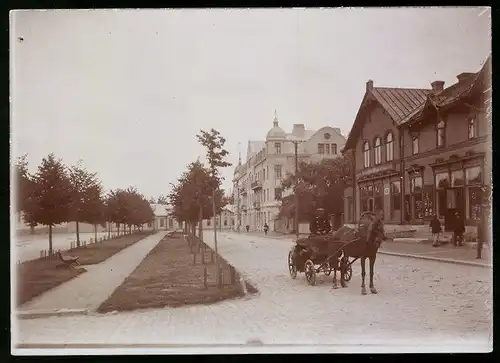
[[420, 152], [257, 189]]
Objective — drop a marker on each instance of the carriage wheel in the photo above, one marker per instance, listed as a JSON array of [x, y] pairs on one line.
[[327, 269], [310, 272], [348, 274], [291, 265]]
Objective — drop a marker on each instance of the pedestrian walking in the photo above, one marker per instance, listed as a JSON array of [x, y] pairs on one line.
[[458, 230], [247, 227], [435, 226], [266, 228]]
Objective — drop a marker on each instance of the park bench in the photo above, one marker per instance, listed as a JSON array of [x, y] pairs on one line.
[[71, 261]]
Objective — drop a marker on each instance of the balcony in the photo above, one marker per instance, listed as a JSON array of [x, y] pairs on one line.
[[256, 185], [256, 205]]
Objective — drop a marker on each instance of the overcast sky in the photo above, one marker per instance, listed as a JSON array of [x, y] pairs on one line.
[[126, 91]]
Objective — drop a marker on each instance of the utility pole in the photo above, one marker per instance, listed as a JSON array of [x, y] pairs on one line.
[[296, 147]]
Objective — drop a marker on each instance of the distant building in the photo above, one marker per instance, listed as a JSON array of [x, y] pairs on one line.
[[224, 221], [257, 182], [420, 152]]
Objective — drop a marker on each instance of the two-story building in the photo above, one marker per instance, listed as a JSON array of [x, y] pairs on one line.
[[420, 152], [257, 189]]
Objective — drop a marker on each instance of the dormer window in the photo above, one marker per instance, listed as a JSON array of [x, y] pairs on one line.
[[378, 151], [472, 128], [366, 154], [441, 134]]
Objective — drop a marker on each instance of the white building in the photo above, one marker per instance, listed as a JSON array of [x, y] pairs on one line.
[[257, 182]]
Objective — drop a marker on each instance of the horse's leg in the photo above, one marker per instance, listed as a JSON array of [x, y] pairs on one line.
[[334, 277], [343, 268], [372, 265], [363, 274]]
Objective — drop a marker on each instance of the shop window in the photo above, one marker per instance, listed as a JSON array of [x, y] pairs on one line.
[[475, 202], [457, 178], [441, 202], [416, 185], [428, 199], [473, 175], [418, 206], [378, 200], [442, 180], [378, 151], [389, 147], [366, 154], [396, 195]]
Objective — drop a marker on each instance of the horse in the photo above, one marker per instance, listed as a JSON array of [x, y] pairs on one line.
[[356, 244]]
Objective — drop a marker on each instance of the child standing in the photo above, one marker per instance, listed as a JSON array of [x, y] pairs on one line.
[[436, 230]]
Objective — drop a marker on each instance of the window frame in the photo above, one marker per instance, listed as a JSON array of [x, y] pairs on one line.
[[389, 145], [415, 145], [366, 154], [472, 125], [441, 126], [377, 151], [321, 148], [277, 148]]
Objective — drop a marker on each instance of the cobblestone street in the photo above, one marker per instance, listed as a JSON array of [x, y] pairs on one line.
[[419, 302]]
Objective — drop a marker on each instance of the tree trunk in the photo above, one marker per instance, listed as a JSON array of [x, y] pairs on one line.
[[109, 229], [95, 232], [50, 240], [77, 234], [220, 221], [217, 274], [32, 229], [200, 225], [193, 226]]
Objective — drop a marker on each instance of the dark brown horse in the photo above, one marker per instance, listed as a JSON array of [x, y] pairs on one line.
[[363, 244]]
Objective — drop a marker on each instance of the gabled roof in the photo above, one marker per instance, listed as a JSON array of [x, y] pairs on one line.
[[455, 92], [399, 103]]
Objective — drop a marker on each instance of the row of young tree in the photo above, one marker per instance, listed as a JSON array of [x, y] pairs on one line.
[[56, 193]]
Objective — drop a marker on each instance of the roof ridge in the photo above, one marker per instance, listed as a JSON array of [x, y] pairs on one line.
[[405, 88]]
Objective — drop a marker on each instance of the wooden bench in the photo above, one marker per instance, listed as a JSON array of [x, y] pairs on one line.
[[71, 261]]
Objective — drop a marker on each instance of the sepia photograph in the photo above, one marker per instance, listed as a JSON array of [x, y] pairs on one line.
[[245, 181]]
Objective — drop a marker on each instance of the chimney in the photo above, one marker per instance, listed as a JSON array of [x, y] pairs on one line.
[[369, 85], [298, 130], [463, 76], [437, 87]]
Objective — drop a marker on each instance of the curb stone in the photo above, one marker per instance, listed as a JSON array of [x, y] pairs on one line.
[[437, 259], [34, 314]]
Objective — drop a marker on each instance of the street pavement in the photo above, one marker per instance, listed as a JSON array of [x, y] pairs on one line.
[[28, 247], [90, 289], [420, 304]]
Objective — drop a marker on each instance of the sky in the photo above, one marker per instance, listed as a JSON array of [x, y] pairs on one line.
[[127, 91]]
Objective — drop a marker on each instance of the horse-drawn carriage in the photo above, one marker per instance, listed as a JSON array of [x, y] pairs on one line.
[[336, 251]]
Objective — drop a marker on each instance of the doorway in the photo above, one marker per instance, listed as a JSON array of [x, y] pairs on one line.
[[370, 204], [455, 200]]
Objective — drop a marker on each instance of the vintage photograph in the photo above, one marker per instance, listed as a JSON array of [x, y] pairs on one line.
[[279, 180]]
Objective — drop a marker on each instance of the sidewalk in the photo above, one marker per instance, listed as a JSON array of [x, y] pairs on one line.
[[90, 289], [445, 253], [424, 250]]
